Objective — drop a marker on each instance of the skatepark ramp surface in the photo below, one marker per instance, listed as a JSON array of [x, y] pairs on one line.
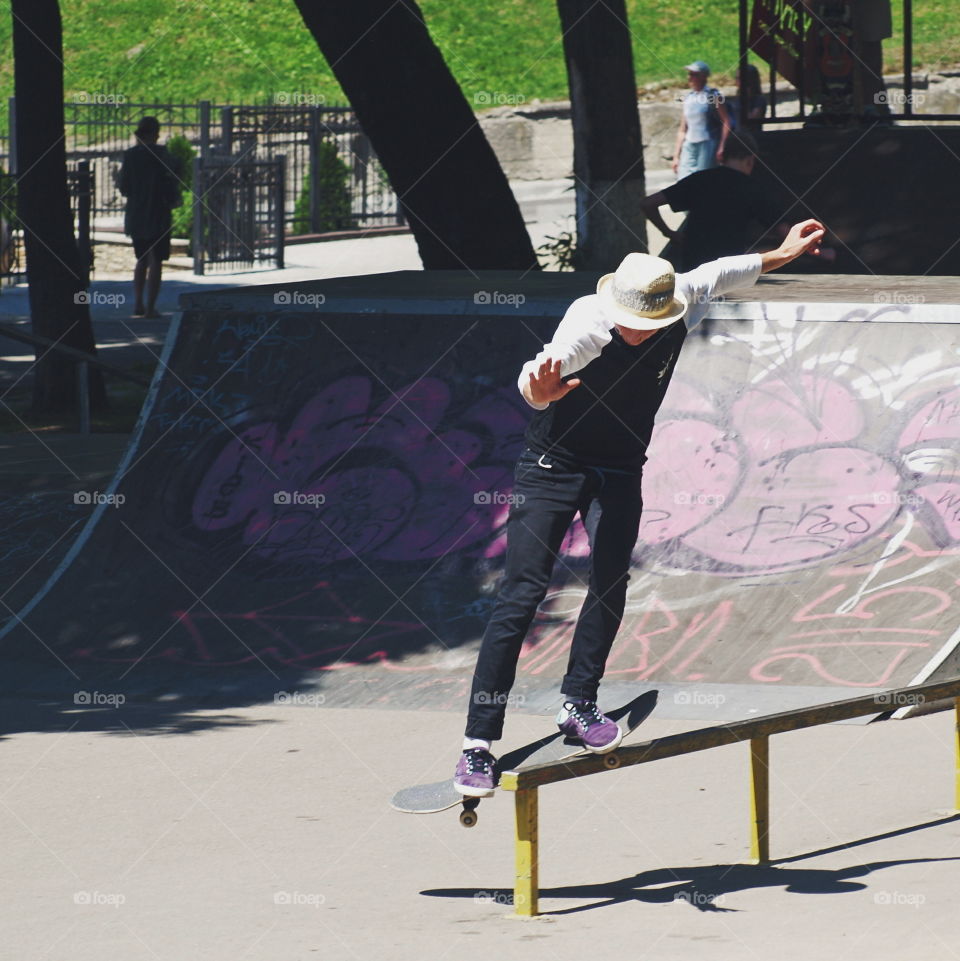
[[315, 497]]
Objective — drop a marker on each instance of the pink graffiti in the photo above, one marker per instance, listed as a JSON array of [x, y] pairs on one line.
[[394, 481], [784, 485]]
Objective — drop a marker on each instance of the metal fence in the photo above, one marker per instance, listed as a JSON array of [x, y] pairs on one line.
[[80, 183], [333, 180], [238, 212], [100, 133]]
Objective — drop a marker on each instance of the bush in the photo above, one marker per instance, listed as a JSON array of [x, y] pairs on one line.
[[559, 251], [332, 178], [183, 153]]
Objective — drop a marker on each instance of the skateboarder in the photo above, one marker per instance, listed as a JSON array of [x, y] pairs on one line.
[[586, 446]]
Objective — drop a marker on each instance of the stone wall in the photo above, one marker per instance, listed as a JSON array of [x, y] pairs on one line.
[[534, 141]]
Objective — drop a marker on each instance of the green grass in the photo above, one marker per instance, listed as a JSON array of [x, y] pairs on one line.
[[253, 50]]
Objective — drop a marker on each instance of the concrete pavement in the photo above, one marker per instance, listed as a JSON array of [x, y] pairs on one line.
[[264, 833]]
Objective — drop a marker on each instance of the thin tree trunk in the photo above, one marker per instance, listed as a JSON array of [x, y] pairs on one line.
[[55, 273], [607, 148], [454, 193]]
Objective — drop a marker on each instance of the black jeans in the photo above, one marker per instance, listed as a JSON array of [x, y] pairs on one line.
[[548, 496]]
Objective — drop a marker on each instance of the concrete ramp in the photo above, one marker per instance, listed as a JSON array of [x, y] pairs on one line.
[[315, 496]]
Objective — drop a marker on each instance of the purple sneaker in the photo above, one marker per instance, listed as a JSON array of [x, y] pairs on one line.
[[582, 720], [475, 775]]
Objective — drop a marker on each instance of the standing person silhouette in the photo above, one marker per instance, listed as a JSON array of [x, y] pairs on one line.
[[150, 180], [723, 203]]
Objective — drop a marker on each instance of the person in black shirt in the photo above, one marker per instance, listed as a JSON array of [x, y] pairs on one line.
[[150, 180], [596, 389], [722, 202]]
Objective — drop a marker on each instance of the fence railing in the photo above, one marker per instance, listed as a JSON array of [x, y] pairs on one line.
[[82, 359], [332, 181], [757, 732], [329, 158], [238, 204], [82, 189]]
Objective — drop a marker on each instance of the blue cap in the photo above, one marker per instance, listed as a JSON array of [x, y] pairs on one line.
[[698, 66]]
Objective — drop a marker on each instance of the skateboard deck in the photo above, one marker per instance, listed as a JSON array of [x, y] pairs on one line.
[[442, 795]]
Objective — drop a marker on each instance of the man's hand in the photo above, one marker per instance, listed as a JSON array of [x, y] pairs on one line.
[[802, 238], [545, 384]]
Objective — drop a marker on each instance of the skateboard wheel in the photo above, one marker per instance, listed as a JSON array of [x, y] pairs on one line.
[[468, 818], [611, 760]]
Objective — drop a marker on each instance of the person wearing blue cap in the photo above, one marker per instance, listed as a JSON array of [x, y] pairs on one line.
[[704, 124]]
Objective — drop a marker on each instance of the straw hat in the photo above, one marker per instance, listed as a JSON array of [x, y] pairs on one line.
[[642, 294]]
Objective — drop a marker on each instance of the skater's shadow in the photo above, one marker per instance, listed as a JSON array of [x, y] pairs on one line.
[[705, 887]]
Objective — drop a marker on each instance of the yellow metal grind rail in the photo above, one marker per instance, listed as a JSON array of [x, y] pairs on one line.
[[757, 731]]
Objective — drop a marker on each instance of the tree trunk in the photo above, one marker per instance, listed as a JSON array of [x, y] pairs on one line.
[[57, 277], [607, 149], [453, 191]]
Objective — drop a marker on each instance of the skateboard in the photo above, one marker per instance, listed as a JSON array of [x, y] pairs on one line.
[[442, 795]]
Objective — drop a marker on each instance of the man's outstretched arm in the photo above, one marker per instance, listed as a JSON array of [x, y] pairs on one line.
[[802, 238], [729, 274]]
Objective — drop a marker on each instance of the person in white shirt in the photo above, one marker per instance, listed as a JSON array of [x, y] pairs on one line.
[[704, 124], [595, 388]]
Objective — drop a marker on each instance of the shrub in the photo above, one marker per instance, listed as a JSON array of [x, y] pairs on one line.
[[183, 152], [332, 179]]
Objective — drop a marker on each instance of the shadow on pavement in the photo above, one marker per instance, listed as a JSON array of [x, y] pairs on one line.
[[705, 887]]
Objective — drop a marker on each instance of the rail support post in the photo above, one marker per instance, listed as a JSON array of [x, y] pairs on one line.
[[526, 884], [760, 799]]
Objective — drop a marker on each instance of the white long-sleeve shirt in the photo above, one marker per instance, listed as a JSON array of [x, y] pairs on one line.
[[586, 329]]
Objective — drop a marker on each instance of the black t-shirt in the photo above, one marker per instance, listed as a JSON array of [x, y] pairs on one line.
[[607, 421], [722, 203], [149, 179]]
